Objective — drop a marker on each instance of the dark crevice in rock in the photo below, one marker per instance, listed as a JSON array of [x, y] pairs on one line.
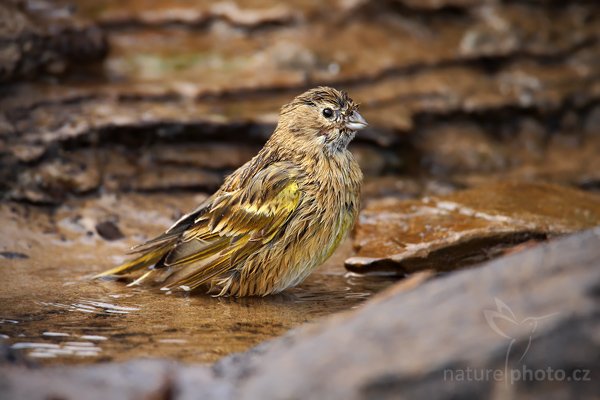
[[13, 255], [500, 122], [456, 256], [200, 25], [42, 42]]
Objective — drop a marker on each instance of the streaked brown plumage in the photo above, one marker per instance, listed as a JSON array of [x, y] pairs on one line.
[[275, 218]]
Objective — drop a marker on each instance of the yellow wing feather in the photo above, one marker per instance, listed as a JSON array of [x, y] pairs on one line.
[[243, 225], [229, 227]]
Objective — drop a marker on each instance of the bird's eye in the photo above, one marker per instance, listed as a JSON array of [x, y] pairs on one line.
[[328, 112]]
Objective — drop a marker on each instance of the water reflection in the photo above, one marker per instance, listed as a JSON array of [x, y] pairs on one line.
[[93, 306], [53, 350]]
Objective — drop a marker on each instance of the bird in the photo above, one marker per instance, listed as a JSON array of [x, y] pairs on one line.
[[274, 219]]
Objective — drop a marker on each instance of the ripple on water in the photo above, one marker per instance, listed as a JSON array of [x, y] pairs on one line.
[[173, 341], [92, 306], [93, 337], [55, 334], [53, 350], [77, 341]]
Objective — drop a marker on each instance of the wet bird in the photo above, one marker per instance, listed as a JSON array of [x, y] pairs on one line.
[[276, 218]]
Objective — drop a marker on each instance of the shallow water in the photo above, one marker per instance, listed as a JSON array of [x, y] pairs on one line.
[[51, 311]]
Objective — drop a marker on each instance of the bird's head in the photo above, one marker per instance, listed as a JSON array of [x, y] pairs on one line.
[[322, 117]]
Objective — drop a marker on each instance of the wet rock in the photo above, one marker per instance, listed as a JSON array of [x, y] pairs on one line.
[[28, 153], [9, 356], [273, 59], [109, 230], [440, 4], [219, 156], [374, 161], [505, 29], [13, 255], [453, 231], [461, 147], [172, 178], [122, 168], [532, 155], [152, 170], [446, 91], [150, 90], [60, 114], [54, 181], [43, 37], [592, 122], [134, 380], [562, 279], [238, 14], [404, 187], [500, 148], [363, 50]]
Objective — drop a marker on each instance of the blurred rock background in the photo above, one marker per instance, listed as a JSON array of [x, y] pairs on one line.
[[159, 95]]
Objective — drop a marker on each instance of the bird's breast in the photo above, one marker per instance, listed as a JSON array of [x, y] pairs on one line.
[[334, 201]]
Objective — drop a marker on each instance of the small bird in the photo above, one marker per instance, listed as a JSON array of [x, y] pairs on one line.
[[276, 218]]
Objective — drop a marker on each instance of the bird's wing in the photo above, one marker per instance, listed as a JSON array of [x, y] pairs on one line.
[[236, 225]]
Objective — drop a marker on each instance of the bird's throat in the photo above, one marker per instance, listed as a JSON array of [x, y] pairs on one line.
[[338, 141]]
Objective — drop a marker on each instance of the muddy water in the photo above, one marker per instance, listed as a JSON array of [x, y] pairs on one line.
[[51, 312]]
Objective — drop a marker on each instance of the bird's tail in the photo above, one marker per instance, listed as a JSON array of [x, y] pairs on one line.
[[145, 260]]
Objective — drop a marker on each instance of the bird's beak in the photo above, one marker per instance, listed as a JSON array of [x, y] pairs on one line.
[[356, 121]]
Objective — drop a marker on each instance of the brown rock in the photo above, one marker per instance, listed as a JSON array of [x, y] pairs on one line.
[[532, 154], [173, 178], [109, 230], [151, 79], [415, 343], [52, 182], [220, 156], [375, 161], [141, 380], [456, 230], [43, 37], [238, 14], [438, 4], [460, 147]]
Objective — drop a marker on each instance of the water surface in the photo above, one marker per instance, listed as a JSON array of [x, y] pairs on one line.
[[52, 312]]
